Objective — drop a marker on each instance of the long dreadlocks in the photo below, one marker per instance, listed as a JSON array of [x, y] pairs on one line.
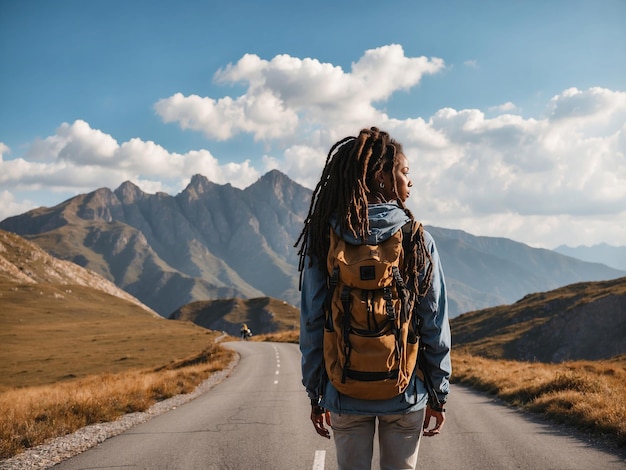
[[342, 192]]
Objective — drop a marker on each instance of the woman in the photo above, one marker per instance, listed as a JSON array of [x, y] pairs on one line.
[[361, 195]]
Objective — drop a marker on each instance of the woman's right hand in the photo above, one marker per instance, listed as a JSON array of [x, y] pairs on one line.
[[318, 416]]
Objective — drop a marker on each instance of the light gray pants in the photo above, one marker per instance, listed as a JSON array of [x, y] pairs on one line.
[[399, 438]]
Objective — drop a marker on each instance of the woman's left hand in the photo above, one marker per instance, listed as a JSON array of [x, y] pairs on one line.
[[440, 418]]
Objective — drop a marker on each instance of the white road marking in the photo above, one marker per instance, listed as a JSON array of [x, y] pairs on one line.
[[318, 462], [277, 363]]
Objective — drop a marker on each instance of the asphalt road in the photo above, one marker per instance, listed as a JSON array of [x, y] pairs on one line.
[[258, 419]]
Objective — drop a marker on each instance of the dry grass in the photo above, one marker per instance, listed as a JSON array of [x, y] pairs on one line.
[[72, 356], [30, 416], [292, 336], [589, 395]]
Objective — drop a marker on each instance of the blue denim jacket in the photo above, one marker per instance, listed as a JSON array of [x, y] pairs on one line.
[[385, 220]]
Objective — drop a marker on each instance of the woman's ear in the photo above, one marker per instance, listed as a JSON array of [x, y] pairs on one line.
[[380, 179]]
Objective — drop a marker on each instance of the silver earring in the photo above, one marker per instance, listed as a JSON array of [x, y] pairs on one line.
[[382, 185]]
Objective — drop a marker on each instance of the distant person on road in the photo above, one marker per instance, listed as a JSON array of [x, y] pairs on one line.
[[245, 332], [361, 196]]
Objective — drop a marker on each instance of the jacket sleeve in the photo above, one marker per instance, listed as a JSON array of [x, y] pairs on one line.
[[312, 329], [435, 328]]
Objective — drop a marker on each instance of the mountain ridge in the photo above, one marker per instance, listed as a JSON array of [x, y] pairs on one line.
[[214, 241], [613, 256]]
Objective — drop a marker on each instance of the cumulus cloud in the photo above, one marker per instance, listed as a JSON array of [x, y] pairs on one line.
[[78, 158], [559, 175], [301, 162], [4, 149], [525, 178], [595, 104], [9, 206], [287, 94], [514, 176], [540, 166], [504, 108]]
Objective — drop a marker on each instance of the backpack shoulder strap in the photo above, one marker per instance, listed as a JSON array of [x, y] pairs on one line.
[[410, 229]]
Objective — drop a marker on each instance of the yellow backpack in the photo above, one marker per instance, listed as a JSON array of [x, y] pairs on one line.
[[370, 344]]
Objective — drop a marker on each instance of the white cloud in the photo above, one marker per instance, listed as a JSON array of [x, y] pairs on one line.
[[287, 94], [504, 108], [76, 143], [261, 114], [302, 163], [541, 179], [78, 158], [548, 179], [4, 149], [595, 104], [9, 206], [534, 179], [541, 231]]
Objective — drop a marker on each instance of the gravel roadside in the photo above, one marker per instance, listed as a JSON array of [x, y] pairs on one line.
[[62, 448]]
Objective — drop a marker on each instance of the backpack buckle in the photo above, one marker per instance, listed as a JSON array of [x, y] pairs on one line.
[[391, 312], [367, 273]]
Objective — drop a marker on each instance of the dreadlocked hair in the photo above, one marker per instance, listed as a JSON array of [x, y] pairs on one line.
[[342, 193]]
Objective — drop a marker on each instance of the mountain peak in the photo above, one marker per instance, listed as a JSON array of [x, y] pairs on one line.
[[199, 180], [274, 181], [129, 192], [201, 187], [200, 184], [274, 176]]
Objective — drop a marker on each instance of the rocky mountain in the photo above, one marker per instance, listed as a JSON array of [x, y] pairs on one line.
[[25, 269], [613, 256], [580, 321], [215, 241], [488, 271], [210, 241]]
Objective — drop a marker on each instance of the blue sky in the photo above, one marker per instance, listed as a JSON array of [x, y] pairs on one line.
[[512, 113]]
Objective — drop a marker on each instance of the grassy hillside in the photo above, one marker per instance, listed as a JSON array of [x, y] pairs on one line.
[[51, 334], [89, 357], [77, 350], [579, 321]]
